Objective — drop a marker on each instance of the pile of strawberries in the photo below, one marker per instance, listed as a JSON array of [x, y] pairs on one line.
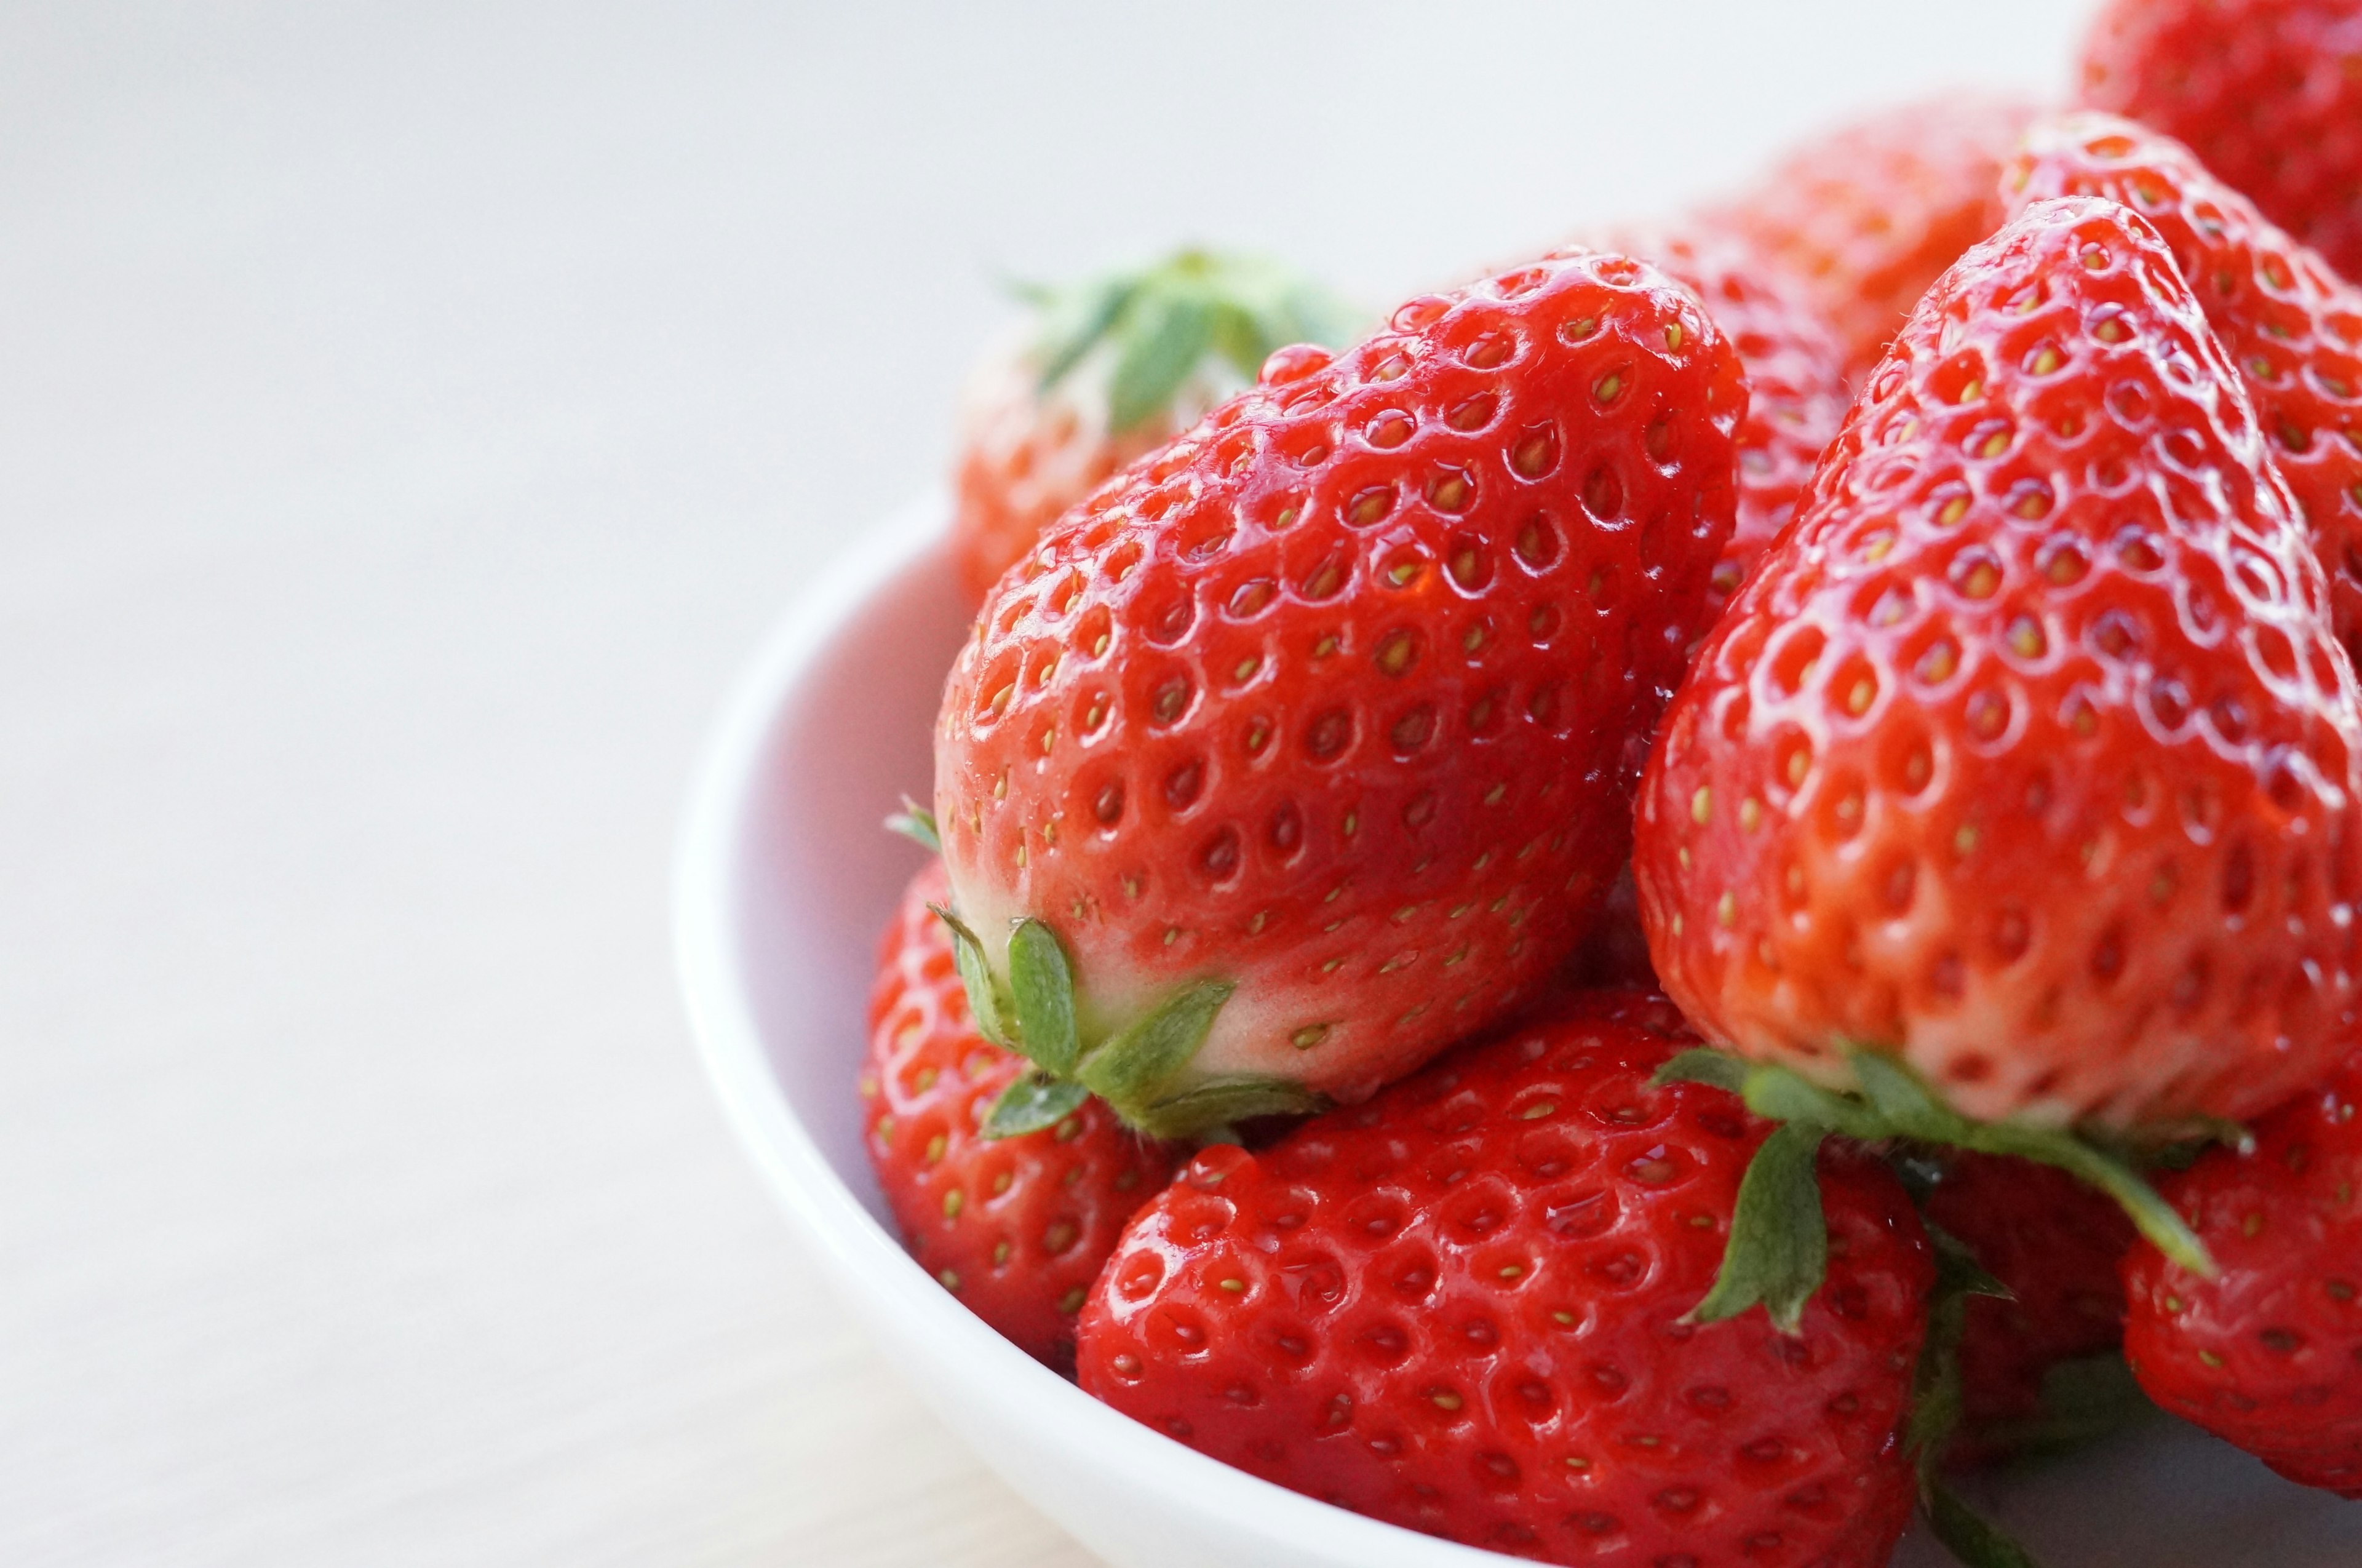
[[1688, 885]]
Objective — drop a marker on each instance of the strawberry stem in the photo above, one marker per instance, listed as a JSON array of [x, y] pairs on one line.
[[1937, 1405], [1967, 1534], [1890, 1101]]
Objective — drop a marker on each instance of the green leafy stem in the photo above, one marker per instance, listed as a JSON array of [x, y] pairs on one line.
[[1890, 1102], [1160, 322], [1140, 1070], [1778, 1250], [1937, 1405]]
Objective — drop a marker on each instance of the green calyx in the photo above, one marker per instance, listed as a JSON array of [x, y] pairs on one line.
[[1163, 322], [917, 823], [1936, 1408], [1889, 1101], [1778, 1251], [1779, 1248], [1141, 1070]]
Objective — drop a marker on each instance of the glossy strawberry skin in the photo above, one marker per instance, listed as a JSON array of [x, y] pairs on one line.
[[1027, 456], [2056, 1243], [1340, 696], [1016, 1229], [2292, 325], [2268, 1353], [2267, 93], [1867, 216], [1796, 379], [1996, 767], [1460, 1308]]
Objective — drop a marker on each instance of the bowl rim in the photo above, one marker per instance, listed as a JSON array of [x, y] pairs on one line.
[[1057, 1418]]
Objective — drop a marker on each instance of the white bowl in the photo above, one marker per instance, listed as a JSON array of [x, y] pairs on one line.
[[783, 882]]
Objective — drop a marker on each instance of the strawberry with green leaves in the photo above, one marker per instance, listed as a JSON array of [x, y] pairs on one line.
[[1107, 372], [1473, 1306], [2268, 1354], [2292, 326], [1306, 748], [1017, 1228], [2017, 793]]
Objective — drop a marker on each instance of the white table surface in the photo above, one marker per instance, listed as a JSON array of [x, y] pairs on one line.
[[408, 417]]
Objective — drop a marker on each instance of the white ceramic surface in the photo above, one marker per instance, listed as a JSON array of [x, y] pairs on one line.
[[783, 880]]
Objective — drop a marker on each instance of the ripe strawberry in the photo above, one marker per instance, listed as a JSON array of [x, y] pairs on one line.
[[2268, 93], [2026, 758], [2292, 328], [1016, 1228], [1108, 371], [1795, 379], [2268, 1354], [2055, 1243], [1306, 748], [1466, 1308], [1866, 216], [1615, 957]]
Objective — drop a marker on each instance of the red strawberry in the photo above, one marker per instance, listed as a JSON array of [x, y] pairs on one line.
[[1615, 955], [1016, 1228], [2292, 328], [1866, 216], [2268, 1354], [2055, 1243], [1795, 379], [2268, 93], [2026, 758], [1108, 371], [1466, 1308], [1305, 749]]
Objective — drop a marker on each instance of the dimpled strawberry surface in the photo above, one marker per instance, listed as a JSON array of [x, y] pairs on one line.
[[2027, 755], [2292, 326], [1339, 698], [1463, 1307], [1796, 379], [1866, 216], [2268, 93], [2269, 1353]]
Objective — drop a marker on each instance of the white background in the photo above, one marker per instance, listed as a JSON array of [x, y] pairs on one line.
[[408, 417]]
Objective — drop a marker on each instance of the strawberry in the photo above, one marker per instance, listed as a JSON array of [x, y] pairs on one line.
[[2291, 325], [1306, 747], [1615, 955], [1108, 371], [2026, 758], [1866, 216], [2054, 1244], [1795, 379], [1016, 1228], [2268, 93], [2269, 1353], [1467, 1308]]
